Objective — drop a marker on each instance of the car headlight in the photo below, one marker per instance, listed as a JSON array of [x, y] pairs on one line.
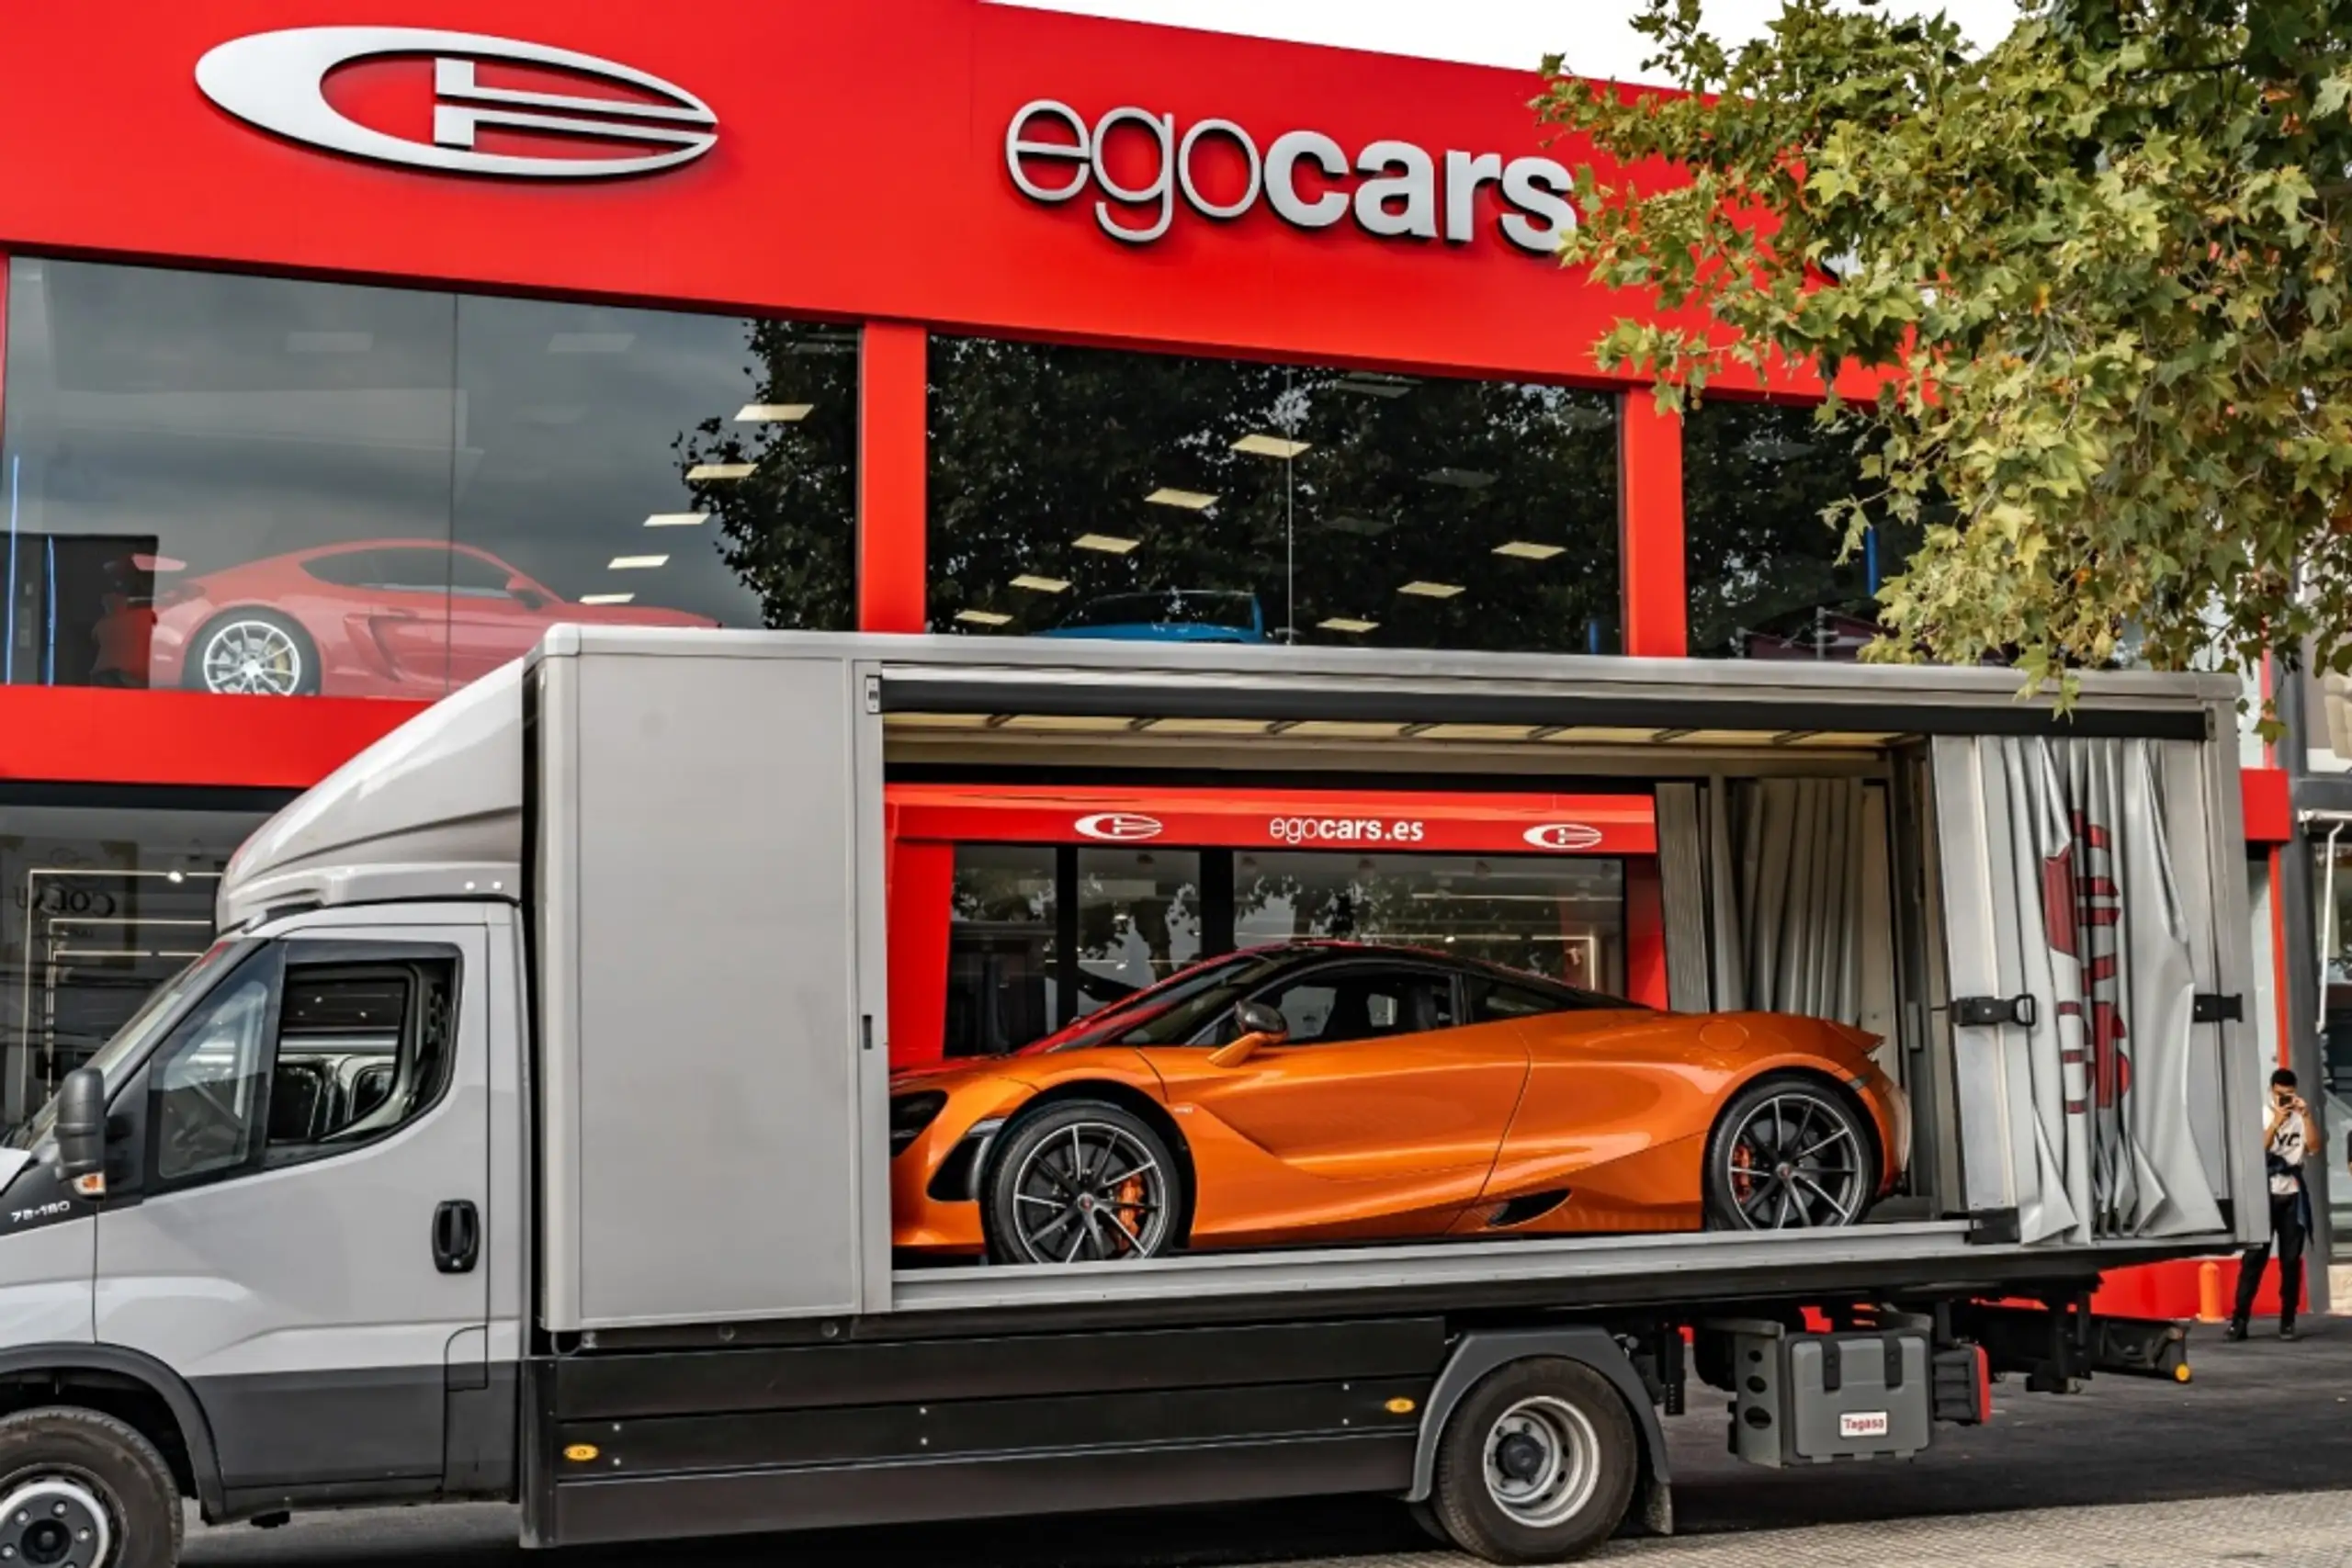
[[909, 1114]]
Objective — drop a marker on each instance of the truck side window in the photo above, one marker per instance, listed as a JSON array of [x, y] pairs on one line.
[[362, 1051], [358, 1052]]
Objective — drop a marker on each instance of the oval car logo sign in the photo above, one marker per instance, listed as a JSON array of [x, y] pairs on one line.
[[277, 82], [1119, 826], [1563, 836]]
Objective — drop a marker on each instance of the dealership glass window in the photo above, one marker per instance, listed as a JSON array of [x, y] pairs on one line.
[[1139, 921], [285, 486], [1763, 569], [103, 902], [1002, 946], [1093, 492], [1561, 918], [2332, 888]]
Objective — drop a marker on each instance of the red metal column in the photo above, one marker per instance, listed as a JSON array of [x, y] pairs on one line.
[[1649, 527], [892, 437]]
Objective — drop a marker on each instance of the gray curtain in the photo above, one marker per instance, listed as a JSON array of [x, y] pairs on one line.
[[1786, 868], [2099, 1100]]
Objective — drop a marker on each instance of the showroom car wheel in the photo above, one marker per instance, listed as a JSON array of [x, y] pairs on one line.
[[1537, 1463], [84, 1489], [1789, 1153], [254, 653], [1082, 1181]]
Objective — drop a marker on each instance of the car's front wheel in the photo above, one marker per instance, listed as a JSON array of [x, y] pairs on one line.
[[1789, 1152], [1082, 1181]]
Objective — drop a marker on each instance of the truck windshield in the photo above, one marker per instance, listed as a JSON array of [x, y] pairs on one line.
[[130, 1042], [1171, 1011]]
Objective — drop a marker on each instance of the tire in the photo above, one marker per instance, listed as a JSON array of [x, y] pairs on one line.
[[1536, 1464], [1128, 1202], [1829, 1172], [278, 659], [58, 1457]]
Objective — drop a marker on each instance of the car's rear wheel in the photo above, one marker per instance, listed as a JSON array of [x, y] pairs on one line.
[[254, 653], [1789, 1152], [1082, 1181]]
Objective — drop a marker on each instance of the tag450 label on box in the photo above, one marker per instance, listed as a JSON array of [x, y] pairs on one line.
[[1862, 1424]]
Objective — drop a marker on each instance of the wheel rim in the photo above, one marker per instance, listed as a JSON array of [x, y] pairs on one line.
[[1543, 1461], [252, 658], [1092, 1192], [1796, 1164], [54, 1521]]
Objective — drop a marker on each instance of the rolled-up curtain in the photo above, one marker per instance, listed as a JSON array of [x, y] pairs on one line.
[[1787, 865]]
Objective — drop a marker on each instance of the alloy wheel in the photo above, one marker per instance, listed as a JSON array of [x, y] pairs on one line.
[[251, 659], [1093, 1193], [1796, 1164]]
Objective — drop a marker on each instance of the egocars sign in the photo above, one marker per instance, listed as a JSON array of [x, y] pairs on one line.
[[276, 81], [1055, 155]]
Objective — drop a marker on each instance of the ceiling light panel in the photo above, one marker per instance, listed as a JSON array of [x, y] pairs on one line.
[[1108, 544], [1190, 500], [773, 414], [983, 618], [606, 598], [1035, 584], [1527, 550], [1259, 444], [1461, 478], [1424, 589], [703, 473], [677, 520], [637, 563], [1348, 624]]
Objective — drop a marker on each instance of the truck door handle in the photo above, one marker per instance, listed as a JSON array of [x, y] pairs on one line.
[[457, 1237]]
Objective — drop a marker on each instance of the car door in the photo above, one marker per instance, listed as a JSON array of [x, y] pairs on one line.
[[495, 616], [296, 1228], [1380, 1114], [396, 598]]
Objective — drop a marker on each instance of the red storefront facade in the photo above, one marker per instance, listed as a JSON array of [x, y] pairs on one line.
[[900, 180]]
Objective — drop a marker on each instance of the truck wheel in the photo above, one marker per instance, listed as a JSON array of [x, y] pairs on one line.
[[1536, 1464], [1082, 1181], [1425, 1516], [79, 1489]]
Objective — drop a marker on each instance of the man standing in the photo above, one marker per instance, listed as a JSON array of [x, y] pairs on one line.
[[2287, 1136]]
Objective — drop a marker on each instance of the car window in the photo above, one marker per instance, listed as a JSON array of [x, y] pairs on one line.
[[1492, 1001], [412, 570], [476, 578], [1332, 1008], [345, 568]]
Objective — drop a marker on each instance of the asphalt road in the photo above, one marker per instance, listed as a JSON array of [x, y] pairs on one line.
[[2260, 1418]]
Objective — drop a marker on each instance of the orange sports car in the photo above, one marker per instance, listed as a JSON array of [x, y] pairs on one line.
[[1328, 1092]]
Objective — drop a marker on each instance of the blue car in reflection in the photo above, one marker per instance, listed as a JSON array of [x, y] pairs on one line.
[[1177, 615]]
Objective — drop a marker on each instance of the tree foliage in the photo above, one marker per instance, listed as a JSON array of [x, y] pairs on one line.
[[2093, 278]]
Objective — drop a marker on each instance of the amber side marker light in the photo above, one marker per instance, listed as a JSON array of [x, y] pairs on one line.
[[1400, 1407], [581, 1453], [2180, 1372]]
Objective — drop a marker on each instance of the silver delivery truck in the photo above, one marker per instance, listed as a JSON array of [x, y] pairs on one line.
[[528, 1133]]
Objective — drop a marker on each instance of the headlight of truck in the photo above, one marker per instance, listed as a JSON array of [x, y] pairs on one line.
[[909, 1114]]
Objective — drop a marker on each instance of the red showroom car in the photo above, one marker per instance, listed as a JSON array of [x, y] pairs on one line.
[[370, 618]]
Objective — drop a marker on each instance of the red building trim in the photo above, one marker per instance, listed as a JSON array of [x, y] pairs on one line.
[[2266, 805], [91, 735], [893, 454], [1649, 528]]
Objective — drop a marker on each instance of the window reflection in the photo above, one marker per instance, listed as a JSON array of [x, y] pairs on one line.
[[1000, 941], [1765, 580], [280, 488], [99, 906], [1087, 492], [1139, 921]]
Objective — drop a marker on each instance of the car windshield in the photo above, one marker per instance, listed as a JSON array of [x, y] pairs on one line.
[[1182, 607], [1171, 1011], [131, 1041]]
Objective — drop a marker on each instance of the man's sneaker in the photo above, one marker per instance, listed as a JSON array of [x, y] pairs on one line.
[[2286, 1330], [2236, 1331]]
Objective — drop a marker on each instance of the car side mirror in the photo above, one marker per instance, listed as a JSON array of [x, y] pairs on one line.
[[525, 592], [1260, 1026], [82, 1130]]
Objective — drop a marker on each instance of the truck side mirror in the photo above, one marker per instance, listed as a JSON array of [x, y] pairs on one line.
[[1260, 1026], [82, 1130]]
